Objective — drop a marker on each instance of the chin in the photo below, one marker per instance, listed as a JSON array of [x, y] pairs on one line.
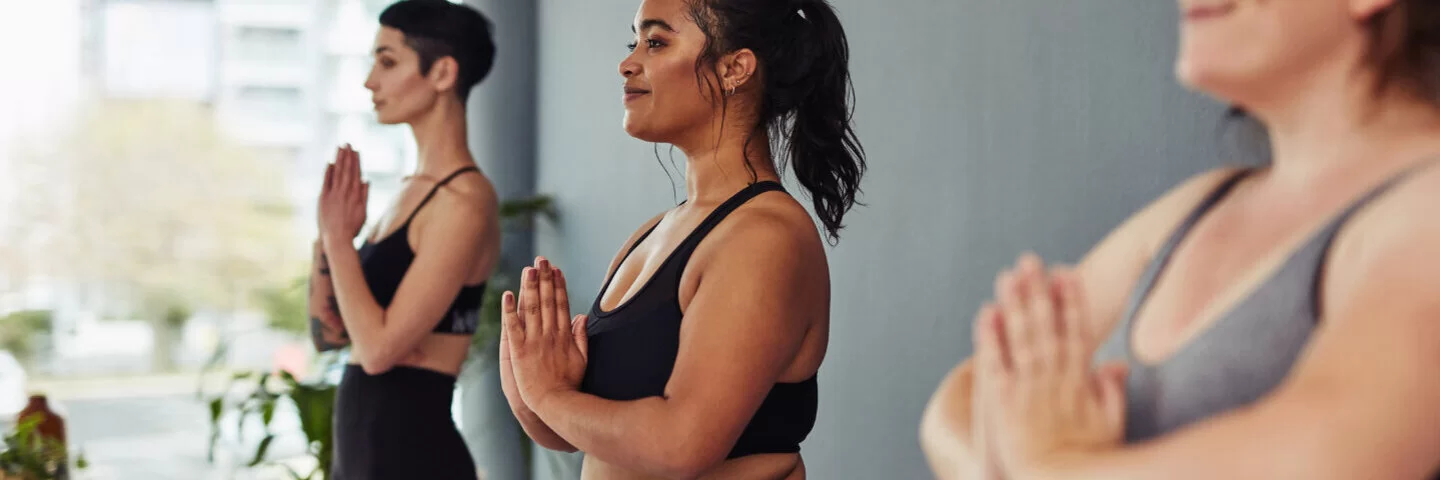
[[638, 130], [1226, 87], [384, 119]]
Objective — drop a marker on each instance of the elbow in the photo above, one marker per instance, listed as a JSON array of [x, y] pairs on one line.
[[376, 363]]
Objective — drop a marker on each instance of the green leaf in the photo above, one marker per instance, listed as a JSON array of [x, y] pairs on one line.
[[260, 384], [267, 412], [260, 451], [288, 378], [214, 439]]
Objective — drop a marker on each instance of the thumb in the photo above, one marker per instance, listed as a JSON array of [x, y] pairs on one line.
[[582, 339], [1111, 378]]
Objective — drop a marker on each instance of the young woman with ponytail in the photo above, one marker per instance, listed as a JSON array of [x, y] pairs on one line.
[[698, 358]]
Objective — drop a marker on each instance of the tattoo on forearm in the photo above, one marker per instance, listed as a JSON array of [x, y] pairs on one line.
[[324, 265], [318, 331], [334, 306]]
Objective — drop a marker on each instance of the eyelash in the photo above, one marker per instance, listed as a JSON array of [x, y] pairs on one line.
[[651, 44]]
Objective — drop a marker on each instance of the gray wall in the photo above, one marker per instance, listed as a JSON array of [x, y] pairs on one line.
[[992, 127]]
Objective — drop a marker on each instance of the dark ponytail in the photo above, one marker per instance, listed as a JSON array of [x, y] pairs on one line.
[[805, 102]]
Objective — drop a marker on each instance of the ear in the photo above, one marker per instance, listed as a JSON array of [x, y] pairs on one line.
[[737, 69], [444, 73], [1364, 10]]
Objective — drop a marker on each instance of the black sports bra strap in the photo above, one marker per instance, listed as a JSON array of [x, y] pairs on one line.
[[436, 188], [724, 210], [705, 226]]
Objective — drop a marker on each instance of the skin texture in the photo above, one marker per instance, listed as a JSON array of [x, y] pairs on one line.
[[455, 236], [1048, 413], [766, 312]]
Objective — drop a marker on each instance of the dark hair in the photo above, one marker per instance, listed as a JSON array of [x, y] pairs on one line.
[[1405, 47], [805, 99], [437, 28]]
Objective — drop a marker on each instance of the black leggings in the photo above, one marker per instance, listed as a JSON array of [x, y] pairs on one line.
[[397, 425]]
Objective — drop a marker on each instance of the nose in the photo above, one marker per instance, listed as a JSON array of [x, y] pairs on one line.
[[629, 67], [370, 83]]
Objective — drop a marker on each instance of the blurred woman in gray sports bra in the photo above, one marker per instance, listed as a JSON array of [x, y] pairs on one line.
[[1280, 322]]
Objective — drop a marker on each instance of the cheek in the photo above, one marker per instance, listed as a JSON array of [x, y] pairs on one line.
[[1229, 49], [1264, 39], [678, 91]]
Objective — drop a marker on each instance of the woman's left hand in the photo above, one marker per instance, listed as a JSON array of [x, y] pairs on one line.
[[1034, 361], [343, 197], [548, 349]]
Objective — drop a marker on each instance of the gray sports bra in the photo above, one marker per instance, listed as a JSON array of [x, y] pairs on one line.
[[1246, 352]]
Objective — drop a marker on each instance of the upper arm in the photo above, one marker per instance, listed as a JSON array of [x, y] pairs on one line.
[[743, 326], [446, 254], [1110, 270], [1369, 373]]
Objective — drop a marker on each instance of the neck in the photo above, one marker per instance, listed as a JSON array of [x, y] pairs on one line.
[[715, 170], [1327, 123], [440, 139]]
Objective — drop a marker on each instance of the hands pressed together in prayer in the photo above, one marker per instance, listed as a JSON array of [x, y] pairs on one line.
[[541, 345], [1038, 402]]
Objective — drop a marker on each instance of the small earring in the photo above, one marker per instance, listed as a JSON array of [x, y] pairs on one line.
[[732, 91]]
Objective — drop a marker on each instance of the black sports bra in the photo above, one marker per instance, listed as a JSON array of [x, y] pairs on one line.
[[632, 349], [386, 261]]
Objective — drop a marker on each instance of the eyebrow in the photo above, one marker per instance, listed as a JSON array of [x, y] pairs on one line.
[[646, 24], [382, 49]]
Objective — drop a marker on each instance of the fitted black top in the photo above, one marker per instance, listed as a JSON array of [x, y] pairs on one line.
[[632, 349], [386, 261]]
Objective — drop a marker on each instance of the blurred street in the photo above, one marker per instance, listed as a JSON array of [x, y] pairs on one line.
[[156, 428]]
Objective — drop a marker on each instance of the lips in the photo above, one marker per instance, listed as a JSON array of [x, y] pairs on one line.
[[632, 93], [1208, 10]]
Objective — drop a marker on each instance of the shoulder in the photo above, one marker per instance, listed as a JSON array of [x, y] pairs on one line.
[[1390, 243], [470, 192], [772, 231], [1151, 225], [1407, 209], [468, 203]]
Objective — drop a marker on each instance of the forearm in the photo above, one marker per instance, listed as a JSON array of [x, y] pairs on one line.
[[363, 317], [641, 435], [1261, 442], [327, 330], [538, 431], [945, 430]]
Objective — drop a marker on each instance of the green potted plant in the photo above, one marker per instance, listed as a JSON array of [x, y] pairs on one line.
[[314, 403], [27, 455]]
